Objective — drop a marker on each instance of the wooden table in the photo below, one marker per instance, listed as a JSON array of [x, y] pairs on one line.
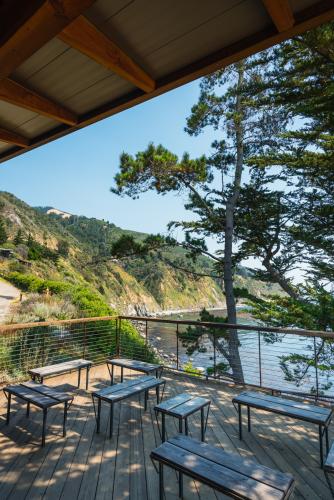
[[39, 395], [133, 364], [68, 366], [227, 473], [288, 408], [181, 407], [115, 393]]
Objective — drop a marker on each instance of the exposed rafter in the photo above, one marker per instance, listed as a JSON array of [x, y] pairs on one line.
[[14, 93], [41, 26], [13, 138], [82, 35], [281, 13]]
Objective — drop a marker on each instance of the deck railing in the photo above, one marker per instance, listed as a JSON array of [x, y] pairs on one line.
[[283, 360]]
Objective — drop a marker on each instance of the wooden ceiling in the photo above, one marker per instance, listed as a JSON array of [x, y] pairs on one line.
[[65, 64]]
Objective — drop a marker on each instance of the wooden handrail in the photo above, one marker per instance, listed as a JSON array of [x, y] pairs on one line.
[[23, 326]]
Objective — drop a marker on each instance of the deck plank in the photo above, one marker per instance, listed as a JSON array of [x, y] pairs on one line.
[[88, 466]]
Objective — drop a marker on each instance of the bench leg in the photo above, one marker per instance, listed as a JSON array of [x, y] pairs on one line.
[[8, 408], [157, 391], [79, 377], [180, 425], [180, 485], [98, 415], [65, 418], [28, 409], [186, 430], [122, 373], [327, 441], [161, 481], [87, 377], [249, 418], [145, 399], [202, 425], [321, 448], [111, 420], [240, 422], [112, 375], [41, 380], [45, 412], [163, 425]]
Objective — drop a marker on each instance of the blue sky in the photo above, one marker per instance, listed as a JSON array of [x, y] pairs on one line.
[[76, 172]]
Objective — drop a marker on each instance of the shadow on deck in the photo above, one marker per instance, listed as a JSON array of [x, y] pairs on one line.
[[88, 466]]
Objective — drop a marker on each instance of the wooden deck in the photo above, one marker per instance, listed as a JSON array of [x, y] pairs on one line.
[[88, 466]]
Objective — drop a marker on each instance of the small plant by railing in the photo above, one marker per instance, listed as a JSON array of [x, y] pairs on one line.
[[283, 360]]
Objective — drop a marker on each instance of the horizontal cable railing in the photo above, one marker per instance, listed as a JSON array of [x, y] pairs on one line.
[[284, 360], [30, 345]]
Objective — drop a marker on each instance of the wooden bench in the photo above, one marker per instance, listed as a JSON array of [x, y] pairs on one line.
[[288, 408], [115, 393], [225, 472], [133, 364], [39, 395], [181, 407], [60, 368]]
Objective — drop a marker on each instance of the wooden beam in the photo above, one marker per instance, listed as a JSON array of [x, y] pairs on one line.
[[17, 94], [13, 138], [82, 35], [281, 13], [45, 23]]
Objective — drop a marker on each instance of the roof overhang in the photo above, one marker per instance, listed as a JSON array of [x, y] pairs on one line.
[[65, 64]]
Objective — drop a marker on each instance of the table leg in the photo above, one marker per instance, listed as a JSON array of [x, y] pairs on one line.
[[112, 375], [249, 418], [98, 415], [202, 425], [28, 409], [111, 421], [65, 418], [240, 421], [157, 391], [327, 441], [42, 380], [8, 408], [79, 377], [163, 427], [321, 448], [161, 481], [87, 376], [45, 412], [145, 398], [121, 373]]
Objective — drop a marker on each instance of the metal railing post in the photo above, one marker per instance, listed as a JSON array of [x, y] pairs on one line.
[[260, 359], [118, 335], [177, 346], [316, 370], [214, 356], [84, 342]]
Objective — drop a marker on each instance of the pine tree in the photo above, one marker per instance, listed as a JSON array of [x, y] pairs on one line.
[[18, 240], [3, 233]]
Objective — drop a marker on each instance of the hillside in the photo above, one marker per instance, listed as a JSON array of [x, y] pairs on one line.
[[76, 250]]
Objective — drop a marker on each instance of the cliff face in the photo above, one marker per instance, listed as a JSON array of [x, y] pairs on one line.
[[75, 249]]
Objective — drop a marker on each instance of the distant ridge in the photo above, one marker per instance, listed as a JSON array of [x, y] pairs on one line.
[[55, 211]]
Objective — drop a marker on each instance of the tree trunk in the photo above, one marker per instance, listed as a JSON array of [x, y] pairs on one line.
[[233, 340]]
